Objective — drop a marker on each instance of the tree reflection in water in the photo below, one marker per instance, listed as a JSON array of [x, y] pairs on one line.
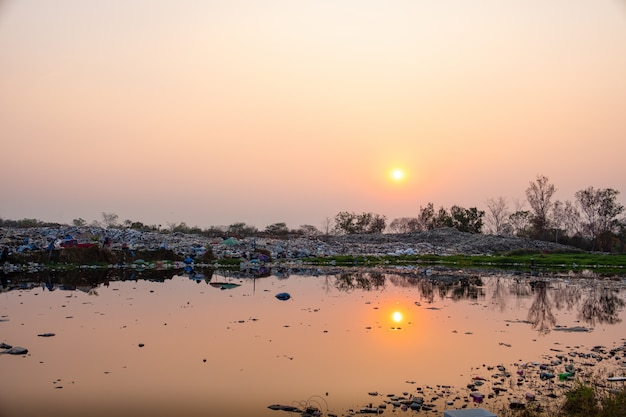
[[602, 306], [567, 296], [540, 312], [499, 294], [470, 287], [352, 280]]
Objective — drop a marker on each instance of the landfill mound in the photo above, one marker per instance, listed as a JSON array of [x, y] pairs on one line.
[[444, 241]]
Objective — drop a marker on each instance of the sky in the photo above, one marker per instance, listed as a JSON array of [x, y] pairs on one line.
[[216, 112]]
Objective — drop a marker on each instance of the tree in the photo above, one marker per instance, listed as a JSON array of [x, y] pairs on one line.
[[370, 223], [599, 210], [309, 230], [80, 222], [376, 224], [442, 219], [215, 231], [558, 218], [140, 226], [564, 219], [351, 223], [241, 229], [426, 217], [109, 219], [539, 195], [277, 229], [404, 225], [467, 220], [327, 226], [497, 214], [520, 222]]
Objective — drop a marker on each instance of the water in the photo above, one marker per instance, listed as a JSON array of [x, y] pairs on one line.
[[168, 344]]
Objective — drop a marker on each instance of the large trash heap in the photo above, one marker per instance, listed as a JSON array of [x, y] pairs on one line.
[[446, 241]]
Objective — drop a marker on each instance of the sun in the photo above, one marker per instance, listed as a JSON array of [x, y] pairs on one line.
[[397, 174], [397, 317]]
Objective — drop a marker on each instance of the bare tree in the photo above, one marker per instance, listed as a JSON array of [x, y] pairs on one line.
[[539, 195], [565, 219], [497, 214], [404, 225], [109, 219], [327, 226], [558, 218], [309, 230]]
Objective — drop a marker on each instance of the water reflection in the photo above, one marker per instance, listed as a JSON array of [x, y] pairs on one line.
[[602, 306], [361, 280], [540, 312], [344, 333], [566, 296]]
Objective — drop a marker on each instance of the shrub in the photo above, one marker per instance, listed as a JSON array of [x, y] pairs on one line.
[[580, 401]]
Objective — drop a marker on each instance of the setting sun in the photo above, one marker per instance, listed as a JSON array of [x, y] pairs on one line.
[[397, 174]]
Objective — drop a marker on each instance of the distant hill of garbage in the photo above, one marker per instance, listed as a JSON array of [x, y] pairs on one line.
[[444, 241]]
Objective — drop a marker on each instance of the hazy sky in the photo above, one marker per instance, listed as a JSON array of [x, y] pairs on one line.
[[214, 112]]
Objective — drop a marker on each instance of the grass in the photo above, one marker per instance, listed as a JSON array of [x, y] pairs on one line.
[[581, 401], [552, 261], [529, 261]]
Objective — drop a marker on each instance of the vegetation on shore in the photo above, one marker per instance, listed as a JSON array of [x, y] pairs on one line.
[[605, 264], [516, 261], [584, 400]]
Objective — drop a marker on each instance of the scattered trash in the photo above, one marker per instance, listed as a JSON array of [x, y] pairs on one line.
[[287, 408], [572, 329], [477, 397], [16, 350], [283, 296], [470, 412]]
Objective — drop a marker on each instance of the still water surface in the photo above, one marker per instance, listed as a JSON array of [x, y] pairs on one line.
[[183, 345]]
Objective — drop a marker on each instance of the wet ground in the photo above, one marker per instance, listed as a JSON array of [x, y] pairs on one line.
[[346, 341]]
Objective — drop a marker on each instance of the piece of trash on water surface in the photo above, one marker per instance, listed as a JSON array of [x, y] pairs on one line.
[[283, 296]]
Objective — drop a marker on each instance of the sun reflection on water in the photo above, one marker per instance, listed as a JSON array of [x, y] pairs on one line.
[[396, 316]]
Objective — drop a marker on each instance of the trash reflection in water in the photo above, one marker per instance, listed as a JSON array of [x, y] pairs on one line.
[[160, 343]]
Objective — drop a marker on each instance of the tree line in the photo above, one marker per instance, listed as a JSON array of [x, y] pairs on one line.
[[591, 221]]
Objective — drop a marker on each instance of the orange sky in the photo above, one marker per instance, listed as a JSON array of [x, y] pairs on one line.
[[216, 112]]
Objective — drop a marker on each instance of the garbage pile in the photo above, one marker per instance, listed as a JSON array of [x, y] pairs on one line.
[[446, 241]]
